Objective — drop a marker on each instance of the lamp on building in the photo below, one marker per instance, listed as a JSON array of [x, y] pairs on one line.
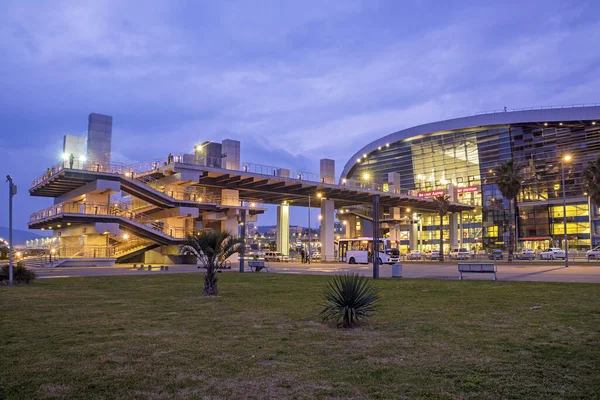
[[565, 159]]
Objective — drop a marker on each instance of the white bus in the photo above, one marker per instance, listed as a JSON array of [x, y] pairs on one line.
[[360, 251]]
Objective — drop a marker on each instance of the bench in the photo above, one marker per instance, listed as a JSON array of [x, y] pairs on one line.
[[479, 268], [257, 266]]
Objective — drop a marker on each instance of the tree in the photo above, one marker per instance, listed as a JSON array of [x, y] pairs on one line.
[[591, 181], [212, 249], [442, 203], [508, 179]]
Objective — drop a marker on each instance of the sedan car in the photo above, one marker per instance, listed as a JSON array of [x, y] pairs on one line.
[[525, 254], [413, 255], [495, 254], [433, 255], [593, 254], [552, 253]]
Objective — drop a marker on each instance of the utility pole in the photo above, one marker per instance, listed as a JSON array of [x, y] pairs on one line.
[[243, 237], [309, 241], [565, 238], [376, 236], [12, 190]]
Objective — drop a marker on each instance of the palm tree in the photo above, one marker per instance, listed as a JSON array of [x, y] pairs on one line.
[[591, 181], [508, 179], [442, 203], [212, 249]]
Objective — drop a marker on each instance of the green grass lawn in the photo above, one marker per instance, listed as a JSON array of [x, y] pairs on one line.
[[157, 337]]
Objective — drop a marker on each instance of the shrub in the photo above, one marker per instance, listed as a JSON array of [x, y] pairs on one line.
[[20, 274], [349, 299]]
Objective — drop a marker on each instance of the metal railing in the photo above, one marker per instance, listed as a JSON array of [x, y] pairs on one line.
[[90, 208], [142, 174], [538, 108]]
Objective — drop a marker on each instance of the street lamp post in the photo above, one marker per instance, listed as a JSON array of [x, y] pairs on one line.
[[566, 158], [12, 190]]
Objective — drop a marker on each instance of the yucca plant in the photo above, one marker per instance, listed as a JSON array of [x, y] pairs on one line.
[[349, 299]]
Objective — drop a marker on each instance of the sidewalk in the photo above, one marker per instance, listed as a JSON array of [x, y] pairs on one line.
[[521, 272]]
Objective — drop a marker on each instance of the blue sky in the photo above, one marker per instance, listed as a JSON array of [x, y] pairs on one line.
[[295, 81]]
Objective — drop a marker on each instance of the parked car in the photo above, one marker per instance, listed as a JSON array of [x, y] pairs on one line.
[[274, 256], [433, 255], [552, 253], [593, 254], [459, 254], [525, 254], [495, 254], [413, 255]]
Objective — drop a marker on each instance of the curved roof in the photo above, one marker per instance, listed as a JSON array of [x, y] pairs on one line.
[[496, 118]]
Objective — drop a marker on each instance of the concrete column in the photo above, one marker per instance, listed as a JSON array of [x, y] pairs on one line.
[[351, 227], [413, 235], [231, 154], [231, 224], [327, 231], [461, 237], [453, 228], [230, 197], [327, 174], [395, 231], [393, 182], [283, 172], [283, 229], [98, 141]]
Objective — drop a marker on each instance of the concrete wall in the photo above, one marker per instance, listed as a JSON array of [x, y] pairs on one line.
[[74, 145], [91, 189], [98, 140], [327, 171], [167, 255], [231, 152]]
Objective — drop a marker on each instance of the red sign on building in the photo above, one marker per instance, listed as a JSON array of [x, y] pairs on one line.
[[434, 193], [468, 189]]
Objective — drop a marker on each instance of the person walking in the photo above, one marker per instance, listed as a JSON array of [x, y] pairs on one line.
[[302, 255]]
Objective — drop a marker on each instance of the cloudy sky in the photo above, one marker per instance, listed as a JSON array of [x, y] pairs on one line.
[[295, 81]]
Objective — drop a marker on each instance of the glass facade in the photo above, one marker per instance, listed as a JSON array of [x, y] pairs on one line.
[[463, 161]]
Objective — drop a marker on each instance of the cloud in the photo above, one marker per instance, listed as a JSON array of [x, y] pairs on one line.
[[293, 81]]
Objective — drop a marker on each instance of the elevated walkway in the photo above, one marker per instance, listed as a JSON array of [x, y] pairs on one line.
[[63, 180], [272, 185], [137, 223]]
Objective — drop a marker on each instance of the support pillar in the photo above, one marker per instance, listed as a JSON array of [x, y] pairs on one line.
[[462, 232], [231, 224], [327, 231], [283, 229], [453, 230], [413, 235]]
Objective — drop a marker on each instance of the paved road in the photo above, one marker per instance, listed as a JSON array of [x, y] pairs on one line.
[[549, 272]]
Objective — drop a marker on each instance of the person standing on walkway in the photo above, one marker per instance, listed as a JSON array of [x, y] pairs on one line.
[[71, 161]]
